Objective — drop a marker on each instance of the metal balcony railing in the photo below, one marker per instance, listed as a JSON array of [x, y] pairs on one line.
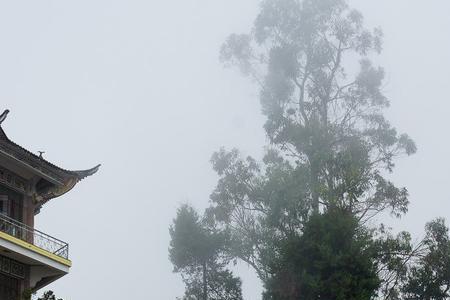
[[34, 237]]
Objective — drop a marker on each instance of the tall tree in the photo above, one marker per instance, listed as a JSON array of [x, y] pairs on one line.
[[330, 145], [327, 120], [197, 252], [300, 217]]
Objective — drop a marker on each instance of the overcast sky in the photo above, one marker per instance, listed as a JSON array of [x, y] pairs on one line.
[[137, 86]]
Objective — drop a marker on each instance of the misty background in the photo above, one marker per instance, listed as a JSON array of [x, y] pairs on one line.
[[138, 86]]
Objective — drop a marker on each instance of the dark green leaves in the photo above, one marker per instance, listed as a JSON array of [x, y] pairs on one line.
[[333, 259]]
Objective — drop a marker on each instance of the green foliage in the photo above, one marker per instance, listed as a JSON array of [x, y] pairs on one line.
[[258, 207], [220, 284], [333, 259], [394, 255], [429, 279], [197, 251]]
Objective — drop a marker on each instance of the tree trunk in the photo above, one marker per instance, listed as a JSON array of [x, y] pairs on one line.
[[205, 286], [314, 187]]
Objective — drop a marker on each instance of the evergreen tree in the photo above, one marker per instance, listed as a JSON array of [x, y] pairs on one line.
[[333, 259], [197, 252]]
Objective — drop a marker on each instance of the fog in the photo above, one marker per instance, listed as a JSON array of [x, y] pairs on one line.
[[138, 87]]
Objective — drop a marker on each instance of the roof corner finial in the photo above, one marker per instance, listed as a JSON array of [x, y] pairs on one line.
[[41, 154], [3, 116]]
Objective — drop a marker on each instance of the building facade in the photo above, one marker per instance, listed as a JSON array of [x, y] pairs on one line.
[[29, 259]]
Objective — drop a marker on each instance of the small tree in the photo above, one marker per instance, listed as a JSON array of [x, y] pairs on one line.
[[197, 252]]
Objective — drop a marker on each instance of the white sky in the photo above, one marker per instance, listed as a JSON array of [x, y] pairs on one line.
[[137, 86]]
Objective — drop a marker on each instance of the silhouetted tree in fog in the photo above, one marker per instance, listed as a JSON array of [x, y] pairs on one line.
[[300, 217], [330, 144], [197, 252]]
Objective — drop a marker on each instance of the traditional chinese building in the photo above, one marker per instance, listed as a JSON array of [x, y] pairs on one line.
[[29, 259]]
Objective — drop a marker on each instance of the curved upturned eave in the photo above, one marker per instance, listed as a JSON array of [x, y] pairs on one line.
[[86, 173], [72, 181], [69, 184]]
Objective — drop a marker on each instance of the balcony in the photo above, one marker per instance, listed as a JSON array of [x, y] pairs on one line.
[[43, 258], [34, 237]]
